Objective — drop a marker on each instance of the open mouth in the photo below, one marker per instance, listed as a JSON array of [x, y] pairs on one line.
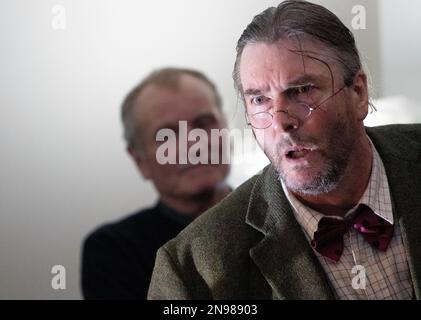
[[298, 152]]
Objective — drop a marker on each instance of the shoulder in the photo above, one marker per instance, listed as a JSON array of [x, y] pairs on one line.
[[401, 140], [217, 230], [117, 260], [143, 231], [212, 253], [127, 226], [397, 131]]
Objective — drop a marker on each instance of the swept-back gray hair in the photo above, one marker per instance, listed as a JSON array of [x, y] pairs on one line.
[[166, 78], [295, 19]]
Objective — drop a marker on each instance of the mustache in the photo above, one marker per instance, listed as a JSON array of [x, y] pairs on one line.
[[294, 139]]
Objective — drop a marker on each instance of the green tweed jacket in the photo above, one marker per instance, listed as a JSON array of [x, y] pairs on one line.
[[250, 246]]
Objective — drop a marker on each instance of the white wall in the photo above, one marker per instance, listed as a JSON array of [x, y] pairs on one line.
[[63, 168], [401, 48], [400, 55]]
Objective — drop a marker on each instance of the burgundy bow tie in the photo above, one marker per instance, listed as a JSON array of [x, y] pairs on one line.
[[329, 237]]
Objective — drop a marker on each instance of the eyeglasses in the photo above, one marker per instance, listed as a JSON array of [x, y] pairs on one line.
[[298, 110]]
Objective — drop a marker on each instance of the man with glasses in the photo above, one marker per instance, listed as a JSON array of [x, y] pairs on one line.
[[336, 215]]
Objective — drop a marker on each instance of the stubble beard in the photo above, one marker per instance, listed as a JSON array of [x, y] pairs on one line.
[[335, 156]]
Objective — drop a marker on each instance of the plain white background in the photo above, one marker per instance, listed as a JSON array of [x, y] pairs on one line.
[[63, 167]]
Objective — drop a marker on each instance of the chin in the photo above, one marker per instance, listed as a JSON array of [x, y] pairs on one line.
[[203, 179], [312, 185], [299, 178], [203, 185]]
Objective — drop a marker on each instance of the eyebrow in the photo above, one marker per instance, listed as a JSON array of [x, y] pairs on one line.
[[253, 92], [299, 81], [304, 79]]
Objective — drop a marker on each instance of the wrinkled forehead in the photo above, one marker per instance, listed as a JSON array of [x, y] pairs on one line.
[[281, 63]]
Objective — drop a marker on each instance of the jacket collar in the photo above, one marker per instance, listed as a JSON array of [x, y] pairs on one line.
[[284, 256]]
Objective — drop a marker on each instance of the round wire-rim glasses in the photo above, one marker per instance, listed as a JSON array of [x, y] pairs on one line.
[[297, 110]]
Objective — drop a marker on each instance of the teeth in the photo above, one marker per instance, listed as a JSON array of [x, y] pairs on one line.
[[298, 154]]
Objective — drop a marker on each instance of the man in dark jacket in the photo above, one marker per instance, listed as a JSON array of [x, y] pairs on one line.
[[118, 258]]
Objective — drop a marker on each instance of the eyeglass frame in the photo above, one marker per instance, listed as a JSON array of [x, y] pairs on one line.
[[310, 109]]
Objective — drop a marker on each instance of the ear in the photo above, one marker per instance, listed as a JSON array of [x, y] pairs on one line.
[[140, 161], [360, 95]]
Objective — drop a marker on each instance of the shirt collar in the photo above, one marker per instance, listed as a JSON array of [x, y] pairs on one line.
[[377, 194]]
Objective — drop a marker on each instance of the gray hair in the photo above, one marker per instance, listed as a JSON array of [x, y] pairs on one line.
[[166, 78], [295, 19]]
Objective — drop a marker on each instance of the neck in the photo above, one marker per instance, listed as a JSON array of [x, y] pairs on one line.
[[196, 204], [349, 190]]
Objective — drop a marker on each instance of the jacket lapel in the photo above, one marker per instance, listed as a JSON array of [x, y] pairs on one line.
[[283, 256], [403, 169]]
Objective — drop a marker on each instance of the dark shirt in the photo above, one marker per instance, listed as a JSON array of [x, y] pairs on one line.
[[118, 258]]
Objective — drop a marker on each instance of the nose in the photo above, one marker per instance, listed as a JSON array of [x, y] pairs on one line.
[[282, 121]]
